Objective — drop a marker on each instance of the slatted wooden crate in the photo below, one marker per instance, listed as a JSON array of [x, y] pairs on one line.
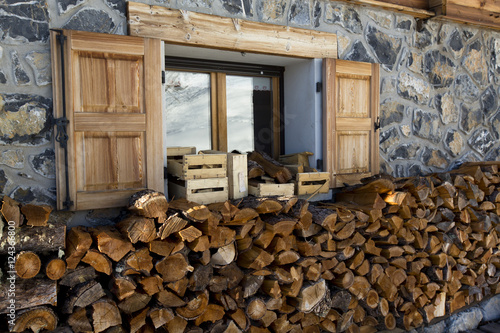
[[198, 166], [269, 189], [176, 153], [237, 173], [202, 191], [312, 182]]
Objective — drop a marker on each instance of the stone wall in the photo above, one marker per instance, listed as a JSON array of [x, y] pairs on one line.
[[439, 80]]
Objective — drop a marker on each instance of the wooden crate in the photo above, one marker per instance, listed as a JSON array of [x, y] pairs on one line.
[[176, 153], [198, 166], [312, 182], [268, 189], [202, 191], [237, 173]]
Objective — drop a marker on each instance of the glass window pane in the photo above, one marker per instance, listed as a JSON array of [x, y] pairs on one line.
[[187, 105], [249, 113]]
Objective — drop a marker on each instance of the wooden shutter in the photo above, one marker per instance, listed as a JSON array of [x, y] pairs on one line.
[[351, 108], [113, 105]]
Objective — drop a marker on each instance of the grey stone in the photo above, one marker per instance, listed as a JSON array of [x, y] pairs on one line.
[[426, 125], [119, 5], [386, 47], [423, 38], [391, 112], [482, 141], [495, 125], [299, 13], [470, 119], [203, 3], [465, 320], [493, 155], [34, 195], [439, 68], [447, 108], [13, 158], [382, 19], [272, 10], [469, 33], [491, 308], [407, 151], [388, 85], [435, 158], [389, 139], [403, 24], [495, 55], [317, 12], [44, 163], [24, 21], [415, 62], [489, 101], [3, 181], [454, 142], [25, 119], [91, 20], [439, 327], [343, 43], [64, 6], [466, 89], [233, 6], [412, 88], [20, 76], [399, 171], [40, 63], [359, 52], [456, 44], [3, 78], [344, 16], [474, 62], [415, 170]]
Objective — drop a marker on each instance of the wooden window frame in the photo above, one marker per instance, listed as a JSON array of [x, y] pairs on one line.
[[218, 70]]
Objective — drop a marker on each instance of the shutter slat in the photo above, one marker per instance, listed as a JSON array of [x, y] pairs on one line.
[[110, 122]]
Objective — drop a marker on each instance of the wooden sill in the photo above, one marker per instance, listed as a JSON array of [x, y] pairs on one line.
[[415, 12]]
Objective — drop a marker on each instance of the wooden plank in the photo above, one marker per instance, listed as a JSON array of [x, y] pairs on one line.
[[98, 200], [237, 171], [221, 111], [197, 29], [100, 43], [329, 70], [178, 152], [29, 293], [202, 191], [276, 117], [266, 190], [476, 12], [111, 122], [397, 6], [198, 166], [375, 113], [420, 4], [312, 182]]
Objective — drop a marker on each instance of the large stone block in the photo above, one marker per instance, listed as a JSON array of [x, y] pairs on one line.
[[456, 44], [386, 47], [470, 119], [491, 308], [343, 15], [89, 19], [475, 63], [407, 151], [435, 158], [272, 10], [359, 52], [25, 119], [24, 21], [465, 320], [489, 101], [40, 63], [34, 195], [389, 139], [447, 108], [413, 88], [391, 112], [454, 142], [44, 163], [21, 78], [426, 125], [439, 68], [13, 158], [495, 125], [482, 141], [235, 7], [466, 89], [299, 13]]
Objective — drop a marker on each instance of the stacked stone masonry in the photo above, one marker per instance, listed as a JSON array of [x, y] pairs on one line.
[[439, 80]]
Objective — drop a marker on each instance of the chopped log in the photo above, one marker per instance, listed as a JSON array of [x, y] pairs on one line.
[[29, 293], [36, 215], [78, 243], [55, 269], [27, 264], [224, 255], [212, 314], [191, 210], [189, 234], [176, 325], [271, 167], [310, 296], [173, 268], [79, 275], [160, 316], [136, 262], [122, 286], [138, 229], [105, 314], [172, 224], [169, 299], [36, 320], [83, 295], [135, 302], [255, 170], [79, 321], [99, 261], [194, 308], [11, 211], [151, 284], [256, 309], [111, 242], [138, 321], [150, 204], [255, 258]]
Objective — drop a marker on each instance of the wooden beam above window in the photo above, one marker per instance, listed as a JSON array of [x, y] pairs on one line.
[[415, 8], [477, 12], [203, 30]]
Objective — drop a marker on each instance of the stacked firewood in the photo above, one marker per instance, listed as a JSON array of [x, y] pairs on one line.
[[389, 253], [31, 253]]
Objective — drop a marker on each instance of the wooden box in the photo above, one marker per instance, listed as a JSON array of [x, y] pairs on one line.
[[198, 166], [202, 191], [176, 153], [269, 189], [312, 183]]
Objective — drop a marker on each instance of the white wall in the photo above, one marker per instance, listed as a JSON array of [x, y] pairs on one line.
[[303, 109]]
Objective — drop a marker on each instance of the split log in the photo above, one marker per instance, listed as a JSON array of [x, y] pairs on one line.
[[173, 268], [172, 224], [310, 296], [29, 294], [150, 204], [138, 229], [79, 321], [194, 308], [105, 314], [36, 215], [83, 295], [27, 264], [55, 269], [271, 167], [78, 243], [255, 170], [11, 211], [160, 316], [79, 275], [99, 261], [111, 242], [36, 320]]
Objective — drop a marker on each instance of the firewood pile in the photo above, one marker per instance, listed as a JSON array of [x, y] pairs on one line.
[[388, 253]]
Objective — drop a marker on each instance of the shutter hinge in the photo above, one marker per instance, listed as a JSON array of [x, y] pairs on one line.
[[376, 125], [319, 86], [319, 164], [61, 133], [162, 77]]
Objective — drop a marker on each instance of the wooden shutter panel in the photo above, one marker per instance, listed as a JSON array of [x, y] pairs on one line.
[[113, 104], [351, 108]]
